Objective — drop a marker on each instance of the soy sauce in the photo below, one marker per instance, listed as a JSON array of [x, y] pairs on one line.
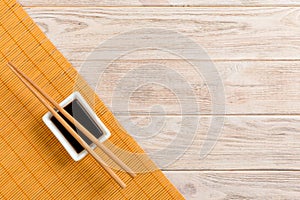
[[81, 115]]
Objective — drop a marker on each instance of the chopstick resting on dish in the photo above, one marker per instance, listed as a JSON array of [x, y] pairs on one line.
[[44, 98]]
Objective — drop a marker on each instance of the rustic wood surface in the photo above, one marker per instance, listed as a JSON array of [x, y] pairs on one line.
[[255, 46], [237, 185], [251, 87], [246, 143], [256, 33], [128, 3]]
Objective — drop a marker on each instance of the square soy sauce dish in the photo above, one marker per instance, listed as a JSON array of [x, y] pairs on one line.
[[76, 106]]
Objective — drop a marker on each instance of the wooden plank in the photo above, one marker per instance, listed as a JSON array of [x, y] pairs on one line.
[[159, 3], [250, 87], [255, 143], [237, 185], [224, 33]]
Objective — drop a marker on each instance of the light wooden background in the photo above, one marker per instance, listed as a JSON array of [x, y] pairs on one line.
[[254, 44]]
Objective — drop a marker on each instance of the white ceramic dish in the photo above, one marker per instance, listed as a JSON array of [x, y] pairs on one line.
[[72, 152]]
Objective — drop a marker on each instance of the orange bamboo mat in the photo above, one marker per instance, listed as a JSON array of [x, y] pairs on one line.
[[33, 164]]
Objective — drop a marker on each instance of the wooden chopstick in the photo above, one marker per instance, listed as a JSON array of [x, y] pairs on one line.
[[77, 124], [31, 85]]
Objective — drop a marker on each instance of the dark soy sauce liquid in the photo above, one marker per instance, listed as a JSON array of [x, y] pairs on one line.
[[81, 115]]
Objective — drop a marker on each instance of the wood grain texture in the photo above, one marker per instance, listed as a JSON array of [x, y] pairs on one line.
[[250, 87], [237, 185], [224, 33], [126, 3], [245, 143]]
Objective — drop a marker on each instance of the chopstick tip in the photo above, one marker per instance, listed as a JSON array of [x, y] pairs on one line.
[[10, 65], [132, 174]]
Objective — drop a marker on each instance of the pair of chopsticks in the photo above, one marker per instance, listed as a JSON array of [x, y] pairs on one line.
[[42, 96]]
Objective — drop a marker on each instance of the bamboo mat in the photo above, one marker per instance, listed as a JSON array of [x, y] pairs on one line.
[[33, 163]]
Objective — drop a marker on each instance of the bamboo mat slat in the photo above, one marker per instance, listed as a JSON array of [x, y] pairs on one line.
[[33, 163]]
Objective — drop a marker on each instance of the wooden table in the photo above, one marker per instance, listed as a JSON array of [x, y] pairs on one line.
[[255, 45]]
